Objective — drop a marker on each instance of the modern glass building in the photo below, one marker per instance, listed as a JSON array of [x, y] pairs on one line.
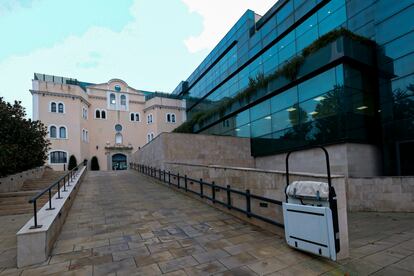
[[312, 72]]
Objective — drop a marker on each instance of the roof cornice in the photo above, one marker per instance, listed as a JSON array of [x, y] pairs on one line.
[[60, 94]]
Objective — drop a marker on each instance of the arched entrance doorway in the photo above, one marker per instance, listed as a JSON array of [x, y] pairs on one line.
[[119, 162]]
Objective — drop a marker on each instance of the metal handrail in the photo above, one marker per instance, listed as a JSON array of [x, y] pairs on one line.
[[67, 177], [184, 182]]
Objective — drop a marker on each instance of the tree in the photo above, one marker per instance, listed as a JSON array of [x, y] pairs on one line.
[[23, 142], [72, 162], [94, 164]]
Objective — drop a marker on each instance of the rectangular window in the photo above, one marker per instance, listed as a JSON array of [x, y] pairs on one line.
[[260, 110], [261, 127], [318, 85], [58, 157], [284, 100], [284, 119]]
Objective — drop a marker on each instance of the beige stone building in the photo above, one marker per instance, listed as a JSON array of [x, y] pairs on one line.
[[108, 120]]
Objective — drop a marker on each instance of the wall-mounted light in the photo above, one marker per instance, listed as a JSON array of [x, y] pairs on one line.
[[97, 147]]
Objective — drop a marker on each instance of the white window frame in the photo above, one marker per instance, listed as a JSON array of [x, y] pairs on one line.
[[50, 107], [100, 114], [50, 157], [85, 135], [57, 108], [57, 132], [85, 113], [66, 132], [109, 100], [123, 96], [135, 117], [150, 118], [171, 115], [150, 137]]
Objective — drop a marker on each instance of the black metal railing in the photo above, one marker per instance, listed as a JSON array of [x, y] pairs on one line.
[[184, 182], [63, 181]]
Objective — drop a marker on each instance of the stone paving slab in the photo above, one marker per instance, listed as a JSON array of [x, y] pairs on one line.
[[123, 223]]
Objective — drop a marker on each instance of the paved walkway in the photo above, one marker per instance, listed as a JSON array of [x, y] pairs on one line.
[[123, 223]]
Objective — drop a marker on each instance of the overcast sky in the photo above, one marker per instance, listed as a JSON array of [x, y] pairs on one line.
[[151, 44]]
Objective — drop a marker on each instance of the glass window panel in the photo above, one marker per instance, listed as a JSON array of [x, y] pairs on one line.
[[53, 107], [58, 157], [290, 37], [339, 75], [260, 110], [261, 127], [284, 100], [270, 65], [329, 8], [287, 52], [62, 132], [353, 78], [242, 118], [307, 25], [284, 11], [362, 103], [317, 85], [322, 106], [307, 38], [243, 131], [284, 119], [52, 132], [333, 21]]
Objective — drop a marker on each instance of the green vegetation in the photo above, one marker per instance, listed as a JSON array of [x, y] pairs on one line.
[[288, 71], [94, 164], [72, 162], [23, 143]]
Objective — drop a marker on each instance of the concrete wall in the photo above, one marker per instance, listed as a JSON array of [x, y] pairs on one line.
[[14, 182], [195, 149], [349, 159], [381, 194]]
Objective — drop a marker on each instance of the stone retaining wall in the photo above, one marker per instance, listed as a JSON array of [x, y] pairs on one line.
[[381, 194], [195, 149], [14, 182]]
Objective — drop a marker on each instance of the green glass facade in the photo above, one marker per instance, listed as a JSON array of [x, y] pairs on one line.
[[294, 78]]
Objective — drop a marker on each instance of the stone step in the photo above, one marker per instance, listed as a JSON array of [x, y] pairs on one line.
[[49, 177], [18, 202]]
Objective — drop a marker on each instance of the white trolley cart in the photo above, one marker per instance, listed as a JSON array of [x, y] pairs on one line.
[[310, 215]]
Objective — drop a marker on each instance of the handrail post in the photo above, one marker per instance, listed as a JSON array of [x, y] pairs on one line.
[[178, 180], [160, 174], [169, 178], [213, 192], [185, 183], [59, 197], [163, 175], [35, 216], [248, 206], [50, 200], [228, 197], [201, 188], [64, 184]]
